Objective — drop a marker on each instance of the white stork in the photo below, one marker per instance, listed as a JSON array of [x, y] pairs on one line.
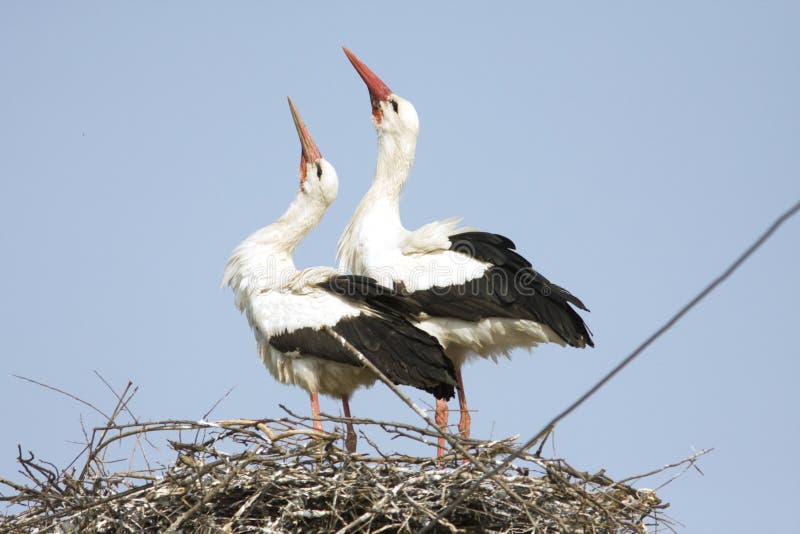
[[288, 308], [480, 297]]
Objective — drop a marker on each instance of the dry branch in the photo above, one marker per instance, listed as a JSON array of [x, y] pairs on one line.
[[277, 475]]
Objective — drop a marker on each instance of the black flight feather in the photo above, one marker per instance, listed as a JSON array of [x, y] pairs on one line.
[[510, 288], [383, 334]]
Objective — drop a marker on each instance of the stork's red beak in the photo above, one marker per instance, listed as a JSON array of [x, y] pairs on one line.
[[310, 151], [377, 89]]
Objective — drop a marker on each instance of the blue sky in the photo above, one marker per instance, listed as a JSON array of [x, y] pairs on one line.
[[631, 150]]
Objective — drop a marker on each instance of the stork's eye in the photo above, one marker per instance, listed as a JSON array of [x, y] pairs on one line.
[[394, 105], [319, 171]]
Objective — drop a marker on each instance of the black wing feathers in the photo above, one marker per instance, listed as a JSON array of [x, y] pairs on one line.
[[382, 333], [404, 353], [313, 342], [367, 290], [511, 288]]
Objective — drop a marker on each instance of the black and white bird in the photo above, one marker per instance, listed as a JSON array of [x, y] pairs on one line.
[[292, 312], [480, 296]]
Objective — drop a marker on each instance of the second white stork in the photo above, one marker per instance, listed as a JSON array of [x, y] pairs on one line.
[[292, 312], [479, 295]]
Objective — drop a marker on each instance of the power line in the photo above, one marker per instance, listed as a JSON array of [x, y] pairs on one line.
[[788, 214]]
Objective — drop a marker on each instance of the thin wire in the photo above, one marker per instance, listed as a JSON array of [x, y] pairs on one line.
[[788, 214]]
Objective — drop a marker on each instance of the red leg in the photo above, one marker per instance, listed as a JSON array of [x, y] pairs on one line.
[[442, 414], [465, 422], [350, 438], [315, 411]]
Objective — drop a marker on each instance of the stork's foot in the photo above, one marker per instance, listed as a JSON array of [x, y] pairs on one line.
[[464, 424], [440, 448], [465, 421], [315, 411], [442, 414], [318, 425], [350, 439]]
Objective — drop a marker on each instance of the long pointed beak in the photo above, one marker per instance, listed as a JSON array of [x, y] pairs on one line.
[[377, 89], [310, 151]]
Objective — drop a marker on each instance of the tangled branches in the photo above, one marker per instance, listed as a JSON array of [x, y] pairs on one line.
[[280, 475]]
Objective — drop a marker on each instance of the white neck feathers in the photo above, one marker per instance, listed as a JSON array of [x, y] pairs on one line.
[[378, 214], [264, 259]]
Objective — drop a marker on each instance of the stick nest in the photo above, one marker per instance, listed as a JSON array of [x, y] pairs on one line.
[[282, 476]]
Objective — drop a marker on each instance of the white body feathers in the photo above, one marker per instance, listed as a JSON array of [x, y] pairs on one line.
[[376, 244], [277, 298], [422, 260]]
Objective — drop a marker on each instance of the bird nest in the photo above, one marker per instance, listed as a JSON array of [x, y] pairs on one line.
[[280, 475]]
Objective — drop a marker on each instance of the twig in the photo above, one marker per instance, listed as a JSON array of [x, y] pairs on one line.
[[121, 402], [206, 498], [70, 395], [219, 400], [117, 395], [294, 482], [363, 517], [453, 442], [689, 459], [603, 381]]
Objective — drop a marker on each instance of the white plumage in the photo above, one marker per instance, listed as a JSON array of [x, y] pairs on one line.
[[277, 298], [292, 313], [429, 263], [299, 303]]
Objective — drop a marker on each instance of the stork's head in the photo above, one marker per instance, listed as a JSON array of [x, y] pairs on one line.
[[318, 178], [391, 114]]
